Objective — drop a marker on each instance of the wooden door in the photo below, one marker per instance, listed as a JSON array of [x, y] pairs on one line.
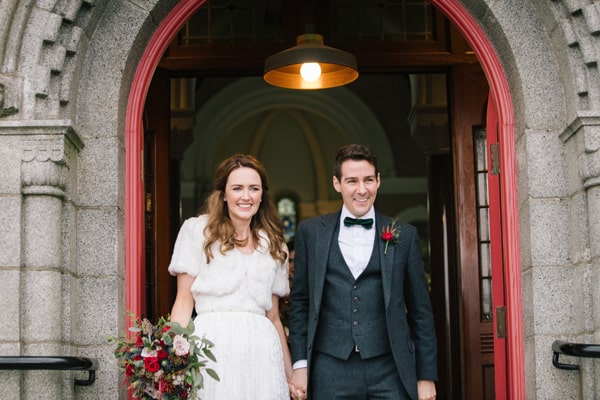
[[444, 277], [160, 197], [469, 96]]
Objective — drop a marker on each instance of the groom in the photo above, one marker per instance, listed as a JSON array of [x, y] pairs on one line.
[[361, 325]]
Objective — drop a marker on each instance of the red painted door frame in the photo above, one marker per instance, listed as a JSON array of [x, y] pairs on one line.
[[134, 148], [509, 352], [134, 218], [495, 218]]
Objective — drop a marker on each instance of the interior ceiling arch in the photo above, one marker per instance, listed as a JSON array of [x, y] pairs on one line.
[[247, 97]]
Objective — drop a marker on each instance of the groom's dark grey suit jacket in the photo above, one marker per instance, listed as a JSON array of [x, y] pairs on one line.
[[409, 319]]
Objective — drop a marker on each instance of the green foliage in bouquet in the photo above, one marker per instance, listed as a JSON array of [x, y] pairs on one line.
[[164, 361]]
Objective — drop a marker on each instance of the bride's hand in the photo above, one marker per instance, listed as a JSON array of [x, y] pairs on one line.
[[298, 384], [296, 394]]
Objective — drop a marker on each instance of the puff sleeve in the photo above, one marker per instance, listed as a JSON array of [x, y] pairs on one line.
[[188, 252], [281, 283]]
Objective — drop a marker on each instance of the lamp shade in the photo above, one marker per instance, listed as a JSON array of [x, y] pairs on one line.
[[337, 67]]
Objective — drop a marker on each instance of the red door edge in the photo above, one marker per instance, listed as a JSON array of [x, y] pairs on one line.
[[134, 147], [500, 93], [134, 221], [495, 221]]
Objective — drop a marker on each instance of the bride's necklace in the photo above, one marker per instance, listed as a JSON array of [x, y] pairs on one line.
[[247, 247]]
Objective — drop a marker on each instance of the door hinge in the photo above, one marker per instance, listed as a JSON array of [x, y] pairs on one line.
[[501, 322], [494, 159]]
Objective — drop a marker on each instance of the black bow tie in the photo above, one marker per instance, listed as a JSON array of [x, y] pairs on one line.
[[366, 223]]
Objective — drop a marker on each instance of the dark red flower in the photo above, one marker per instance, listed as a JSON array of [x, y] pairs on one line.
[[129, 368], [161, 354], [139, 342], [390, 234], [151, 364]]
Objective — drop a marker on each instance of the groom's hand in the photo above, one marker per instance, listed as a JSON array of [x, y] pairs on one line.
[[298, 384], [426, 390]]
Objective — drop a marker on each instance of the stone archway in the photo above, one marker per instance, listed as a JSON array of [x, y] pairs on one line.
[[499, 85]]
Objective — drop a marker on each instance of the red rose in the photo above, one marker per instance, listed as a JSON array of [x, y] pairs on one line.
[[390, 234], [137, 358], [151, 364], [387, 236], [139, 342], [129, 368], [161, 354]]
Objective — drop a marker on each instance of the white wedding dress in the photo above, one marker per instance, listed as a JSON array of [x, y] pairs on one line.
[[232, 294]]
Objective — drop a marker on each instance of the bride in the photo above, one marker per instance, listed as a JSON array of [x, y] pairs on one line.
[[231, 264]]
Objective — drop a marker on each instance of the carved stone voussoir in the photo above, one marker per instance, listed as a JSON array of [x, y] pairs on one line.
[[587, 127], [5, 111]]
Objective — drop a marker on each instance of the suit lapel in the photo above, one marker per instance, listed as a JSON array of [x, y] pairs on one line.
[[324, 240], [386, 260]]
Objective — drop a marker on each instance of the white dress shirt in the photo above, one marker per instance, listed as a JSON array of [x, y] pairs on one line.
[[356, 242]]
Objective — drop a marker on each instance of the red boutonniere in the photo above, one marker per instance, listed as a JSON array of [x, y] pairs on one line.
[[390, 233]]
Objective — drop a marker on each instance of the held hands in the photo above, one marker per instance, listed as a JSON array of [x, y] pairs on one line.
[[298, 384], [426, 390]]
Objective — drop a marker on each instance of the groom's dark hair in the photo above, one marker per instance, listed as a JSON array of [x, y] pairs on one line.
[[356, 152]]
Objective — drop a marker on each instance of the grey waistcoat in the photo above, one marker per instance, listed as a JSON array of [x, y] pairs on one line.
[[352, 312]]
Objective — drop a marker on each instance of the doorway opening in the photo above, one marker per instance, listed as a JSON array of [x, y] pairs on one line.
[[386, 62], [404, 117]]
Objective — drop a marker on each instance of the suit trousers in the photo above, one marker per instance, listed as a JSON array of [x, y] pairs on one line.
[[355, 379]]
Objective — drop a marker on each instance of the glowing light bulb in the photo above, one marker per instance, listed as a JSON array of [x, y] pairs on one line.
[[310, 72]]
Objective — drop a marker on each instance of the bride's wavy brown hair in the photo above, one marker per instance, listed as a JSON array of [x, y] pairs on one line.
[[219, 227]]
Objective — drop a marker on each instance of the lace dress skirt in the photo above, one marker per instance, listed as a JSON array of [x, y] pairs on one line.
[[249, 357]]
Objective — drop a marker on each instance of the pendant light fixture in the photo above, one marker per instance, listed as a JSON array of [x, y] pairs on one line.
[[310, 65]]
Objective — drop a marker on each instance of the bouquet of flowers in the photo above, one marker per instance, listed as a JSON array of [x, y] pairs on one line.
[[163, 361]]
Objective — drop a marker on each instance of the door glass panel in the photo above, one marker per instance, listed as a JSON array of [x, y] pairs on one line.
[[237, 21], [234, 21], [399, 20], [485, 266]]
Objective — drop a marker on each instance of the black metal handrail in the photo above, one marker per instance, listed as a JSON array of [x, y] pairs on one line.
[[575, 350], [52, 363]]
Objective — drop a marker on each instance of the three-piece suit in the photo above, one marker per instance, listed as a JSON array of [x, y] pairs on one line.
[[386, 310]]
